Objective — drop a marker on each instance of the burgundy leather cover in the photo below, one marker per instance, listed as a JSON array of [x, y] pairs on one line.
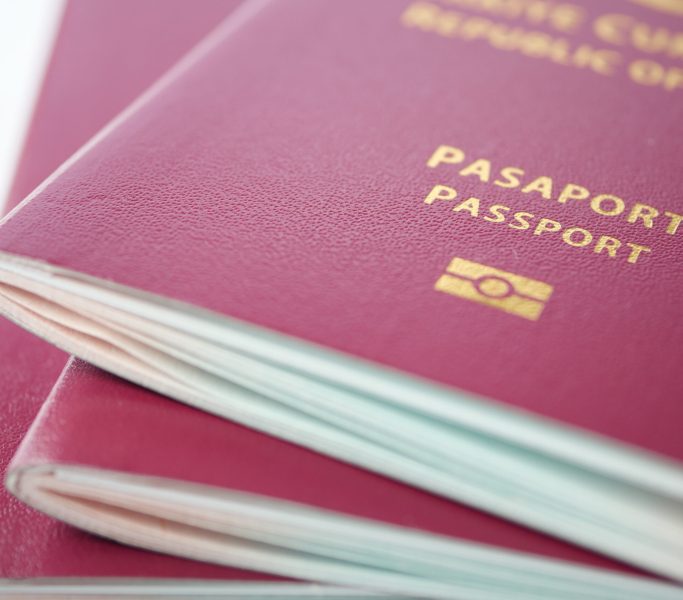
[[282, 180], [91, 77], [107, 53], [148, 435]]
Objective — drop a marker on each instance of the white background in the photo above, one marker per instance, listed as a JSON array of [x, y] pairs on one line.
[[27, 32]]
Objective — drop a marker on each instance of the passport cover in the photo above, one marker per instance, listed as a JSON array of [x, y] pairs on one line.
[[483, 198], [90, 78], [290, 191]]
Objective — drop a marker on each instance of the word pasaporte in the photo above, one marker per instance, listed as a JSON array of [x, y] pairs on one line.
[[545, 187], [577, 237]]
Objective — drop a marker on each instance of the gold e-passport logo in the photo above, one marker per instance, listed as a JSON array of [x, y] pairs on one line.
[[672, 7], [505, 291]]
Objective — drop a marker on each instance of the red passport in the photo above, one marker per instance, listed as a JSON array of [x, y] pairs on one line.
[[125, 463], [435, 239]]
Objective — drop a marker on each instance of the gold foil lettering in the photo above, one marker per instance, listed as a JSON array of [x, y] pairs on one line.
[[618, 31], [509, 177], [547, 225], [440, 192], [646, 72], [481, 168], [446, 155], [673, 79], [512, 178], [520, 220], [613, 28], [599, 60], [471, 205], [571, 191], [618, 205], [636, 250], [675, 221], [497, 213], [607, 243], [644, 212], [542, 185], [585, 237]]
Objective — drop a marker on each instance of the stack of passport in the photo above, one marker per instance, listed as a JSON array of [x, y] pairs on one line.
[[366, 299]]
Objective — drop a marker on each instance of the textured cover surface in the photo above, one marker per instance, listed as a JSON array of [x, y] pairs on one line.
[[289, 190], [91, 77], [130, 429], [106, 55]]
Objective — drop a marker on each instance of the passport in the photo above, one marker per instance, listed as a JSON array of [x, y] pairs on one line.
[[124, 462], [85, 85], [277, 232]]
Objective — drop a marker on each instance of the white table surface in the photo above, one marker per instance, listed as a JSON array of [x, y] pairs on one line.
[[27, 33]]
